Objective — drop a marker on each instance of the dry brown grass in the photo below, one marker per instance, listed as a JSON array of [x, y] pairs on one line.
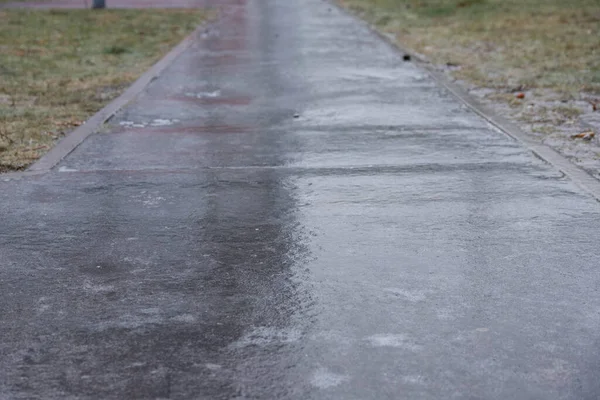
[[60, 67], [500, 43]]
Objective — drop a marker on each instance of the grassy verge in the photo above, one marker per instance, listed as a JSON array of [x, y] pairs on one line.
[[60, 67], [538, 59], [500, 43]]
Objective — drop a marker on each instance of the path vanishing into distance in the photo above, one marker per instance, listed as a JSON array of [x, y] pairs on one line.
[[291, 211]]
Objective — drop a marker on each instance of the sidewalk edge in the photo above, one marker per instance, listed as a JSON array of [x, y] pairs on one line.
[[576, 174], [70, 142]]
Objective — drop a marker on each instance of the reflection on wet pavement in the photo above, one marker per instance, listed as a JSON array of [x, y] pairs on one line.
[[291, 211]]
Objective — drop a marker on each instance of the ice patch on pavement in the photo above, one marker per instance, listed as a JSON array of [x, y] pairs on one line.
[[323, 378], [212, 367], [154, 122], [393, 340], [204, 95], [413, 379], [149, 199], [187, 318], [131, 124], [163, 122]]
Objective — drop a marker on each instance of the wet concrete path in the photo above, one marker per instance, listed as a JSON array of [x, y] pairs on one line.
[[386, 244]]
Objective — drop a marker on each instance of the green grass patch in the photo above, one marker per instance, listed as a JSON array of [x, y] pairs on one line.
[[15, 1], [61, 66]]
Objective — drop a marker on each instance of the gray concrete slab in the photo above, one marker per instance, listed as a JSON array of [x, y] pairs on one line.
[[291, 211]]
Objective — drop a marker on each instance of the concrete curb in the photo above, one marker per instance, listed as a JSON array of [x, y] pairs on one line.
[[69, 143], [579, 176]]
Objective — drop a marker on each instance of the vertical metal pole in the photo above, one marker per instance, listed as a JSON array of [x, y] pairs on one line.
[[98, 4]]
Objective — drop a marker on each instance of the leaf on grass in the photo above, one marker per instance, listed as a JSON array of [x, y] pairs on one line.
[[589, 135]]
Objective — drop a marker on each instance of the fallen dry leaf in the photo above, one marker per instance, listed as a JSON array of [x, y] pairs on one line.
[[39, 148], [589, 135]]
